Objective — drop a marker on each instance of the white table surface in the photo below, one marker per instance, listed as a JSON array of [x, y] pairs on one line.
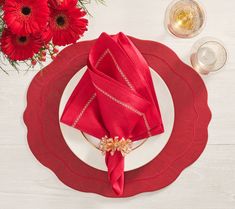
[[207, 184]]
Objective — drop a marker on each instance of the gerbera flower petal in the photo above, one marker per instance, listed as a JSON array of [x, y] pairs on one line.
[[45, 35], [66, 23], [2, 2], [62, 4], [19, 47], [26, 16]]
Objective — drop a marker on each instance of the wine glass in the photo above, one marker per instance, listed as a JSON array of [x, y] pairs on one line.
[[208, 55], [185, 18]]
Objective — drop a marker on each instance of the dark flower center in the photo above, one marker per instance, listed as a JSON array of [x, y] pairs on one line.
[[60, 20], [26, 11], [22, 39]]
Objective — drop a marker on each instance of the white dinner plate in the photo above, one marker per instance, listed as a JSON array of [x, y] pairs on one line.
[[137, 158]]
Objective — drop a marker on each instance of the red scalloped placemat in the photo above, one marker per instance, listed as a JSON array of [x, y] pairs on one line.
[[187, 141]]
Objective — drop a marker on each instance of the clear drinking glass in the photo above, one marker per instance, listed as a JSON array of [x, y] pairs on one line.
[[185, 18], [208, 55]]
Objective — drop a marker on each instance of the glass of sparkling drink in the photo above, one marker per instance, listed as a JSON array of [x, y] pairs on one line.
[[185, 18]]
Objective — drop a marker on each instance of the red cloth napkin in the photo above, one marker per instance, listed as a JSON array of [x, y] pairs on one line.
[[115, 97]]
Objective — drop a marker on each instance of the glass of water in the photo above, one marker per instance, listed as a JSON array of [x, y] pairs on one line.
[[208, 55]]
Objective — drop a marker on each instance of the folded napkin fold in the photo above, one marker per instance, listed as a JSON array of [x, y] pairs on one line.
[[115, 101]]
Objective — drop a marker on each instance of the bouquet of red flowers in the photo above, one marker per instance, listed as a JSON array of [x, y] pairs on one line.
[[31, 29]]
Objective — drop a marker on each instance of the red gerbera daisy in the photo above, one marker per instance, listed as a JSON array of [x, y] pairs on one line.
[[19, 47], [26, 16], [66, 22]]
